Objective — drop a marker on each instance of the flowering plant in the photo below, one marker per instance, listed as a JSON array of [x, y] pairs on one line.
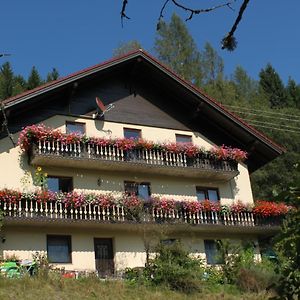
[[74, 200], [10, 196], [239, 207], [225, 152], [164, 204], [104, 201], [35, 133], [43, 196], [267, 208], [207, 205], [132, 202], [192, 206], [133, 205]]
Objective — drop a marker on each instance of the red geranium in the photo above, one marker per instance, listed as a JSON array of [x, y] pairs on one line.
[[268, 209]]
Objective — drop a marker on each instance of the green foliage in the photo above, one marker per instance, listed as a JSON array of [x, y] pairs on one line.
[[124, 48], [287, 244], [176, 47], [172, 267], [6, 81], [293, 93], [241, 269], [212, 65], [34, 79], [53, 75], [271, 85]]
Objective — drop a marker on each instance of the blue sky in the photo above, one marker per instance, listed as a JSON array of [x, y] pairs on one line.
[[71, 34]]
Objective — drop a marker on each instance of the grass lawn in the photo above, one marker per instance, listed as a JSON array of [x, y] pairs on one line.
[[93, 288]]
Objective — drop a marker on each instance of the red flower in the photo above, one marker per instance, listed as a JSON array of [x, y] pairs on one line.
[[192, 206], [268, 209]]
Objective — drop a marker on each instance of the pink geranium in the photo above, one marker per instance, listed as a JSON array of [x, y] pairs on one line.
[[164, 204], [192, 206]]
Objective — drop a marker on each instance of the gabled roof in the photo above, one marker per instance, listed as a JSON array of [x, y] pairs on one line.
[[272, 150]]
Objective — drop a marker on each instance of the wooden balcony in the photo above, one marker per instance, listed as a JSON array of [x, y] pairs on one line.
[[28, 211], [89, 156]]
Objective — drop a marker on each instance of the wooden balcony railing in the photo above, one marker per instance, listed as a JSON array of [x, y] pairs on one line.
[[106, 156], [31, 209]]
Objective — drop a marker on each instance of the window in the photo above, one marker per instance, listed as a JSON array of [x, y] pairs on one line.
[[212, 251], [211, 194], [169, 242], [182, 138], [75, 127], [60, 184], [141, 189], [130, 133], [59, 248]]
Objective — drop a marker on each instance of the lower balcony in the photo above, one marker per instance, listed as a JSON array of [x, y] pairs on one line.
[[150, 161], [120, 217]]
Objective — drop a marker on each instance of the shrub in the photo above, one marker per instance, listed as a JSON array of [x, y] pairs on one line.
[[174, 268]]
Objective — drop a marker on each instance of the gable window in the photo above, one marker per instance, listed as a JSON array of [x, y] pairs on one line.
[[59, 248], [75, 127], [183, 138], [141, 189], [211, 194], [60, 184], [212, 252], [131, 133]]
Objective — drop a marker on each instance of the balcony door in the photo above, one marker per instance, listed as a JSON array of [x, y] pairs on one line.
[[104, 257]]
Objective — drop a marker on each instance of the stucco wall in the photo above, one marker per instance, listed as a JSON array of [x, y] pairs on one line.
[[128, 247], [13, 169]]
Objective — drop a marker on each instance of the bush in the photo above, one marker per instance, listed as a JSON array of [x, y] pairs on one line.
[[174, 268], [241, 269], [258, 277]]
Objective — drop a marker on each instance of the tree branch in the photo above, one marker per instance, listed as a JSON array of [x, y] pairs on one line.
[[199, 11], [123, 11], [229, 41]]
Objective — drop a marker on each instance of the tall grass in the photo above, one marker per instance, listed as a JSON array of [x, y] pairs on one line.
[[56, 288]]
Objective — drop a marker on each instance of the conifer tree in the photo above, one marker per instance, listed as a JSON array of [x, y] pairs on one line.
[[293, 93], [53, 75], [6, 81], [271, 85], [34, 79], [246, 87], [175, 46], [19, 85]]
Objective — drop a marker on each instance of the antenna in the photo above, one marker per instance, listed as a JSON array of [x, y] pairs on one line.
[[102, 108]]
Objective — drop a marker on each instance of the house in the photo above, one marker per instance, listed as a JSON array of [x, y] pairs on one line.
[[78, 184]]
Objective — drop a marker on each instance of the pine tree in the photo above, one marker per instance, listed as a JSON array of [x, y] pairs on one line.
[[246, 87], [19, 85], [212, 65], [6, 81], [271, 85], [175, 46], [34, 79], [293, 93], [53, 75], [124, 48]]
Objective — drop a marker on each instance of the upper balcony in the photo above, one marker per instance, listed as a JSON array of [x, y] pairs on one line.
[[113, 157]]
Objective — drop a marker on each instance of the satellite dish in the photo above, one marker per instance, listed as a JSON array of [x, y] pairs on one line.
[[102, 108]]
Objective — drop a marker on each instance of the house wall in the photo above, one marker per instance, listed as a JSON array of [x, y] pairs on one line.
[[18, 174], [128, 247]]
